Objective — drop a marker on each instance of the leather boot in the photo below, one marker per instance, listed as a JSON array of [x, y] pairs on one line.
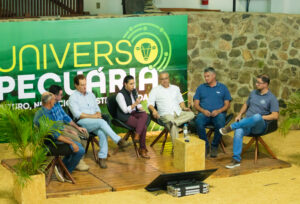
[[102, 163], [123, 144], [143, 153]]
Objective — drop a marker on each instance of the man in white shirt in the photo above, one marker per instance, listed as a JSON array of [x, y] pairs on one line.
[[171, 109]]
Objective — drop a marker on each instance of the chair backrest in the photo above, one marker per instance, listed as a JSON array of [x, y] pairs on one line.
[[112, 105], [228, 118], [68, 111], [272, 126]]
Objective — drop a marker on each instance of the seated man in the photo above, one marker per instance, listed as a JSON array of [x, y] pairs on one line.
[[71, 129], [71, 161], [170, 105], [84, 107], [212, 100], [261, 107]]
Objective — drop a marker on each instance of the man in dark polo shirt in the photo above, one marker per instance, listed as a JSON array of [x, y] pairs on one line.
[[212, 99], [261, 107]]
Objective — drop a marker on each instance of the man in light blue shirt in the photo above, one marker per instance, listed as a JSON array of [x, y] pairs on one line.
[[84, 107]]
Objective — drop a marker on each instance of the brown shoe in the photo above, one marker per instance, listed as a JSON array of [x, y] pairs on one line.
[[123, 144], [102, 163], [143, 154]]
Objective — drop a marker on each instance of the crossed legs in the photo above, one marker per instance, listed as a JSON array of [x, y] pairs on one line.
[[173, 121]]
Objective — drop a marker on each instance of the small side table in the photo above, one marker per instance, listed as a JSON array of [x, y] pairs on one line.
[[189, 156]]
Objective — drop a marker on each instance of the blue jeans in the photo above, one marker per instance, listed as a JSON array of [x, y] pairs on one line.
[[251, 125], [72, 160], [102, 129], [218, 122]]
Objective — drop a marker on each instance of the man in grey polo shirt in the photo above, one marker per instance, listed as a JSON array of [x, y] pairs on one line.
[[260, 108]]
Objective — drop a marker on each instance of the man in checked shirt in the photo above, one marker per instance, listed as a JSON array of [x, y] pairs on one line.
[[71, 129]]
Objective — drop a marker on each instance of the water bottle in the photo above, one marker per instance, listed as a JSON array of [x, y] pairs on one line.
[[185, 133]]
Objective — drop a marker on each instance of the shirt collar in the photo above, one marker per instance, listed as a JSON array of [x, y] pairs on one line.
[[164, 87], [217, 84], [78, 92], [258, 93], [46, 110]]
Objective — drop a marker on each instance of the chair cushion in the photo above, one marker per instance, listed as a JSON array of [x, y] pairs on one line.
[[119, 123], [158, 121]]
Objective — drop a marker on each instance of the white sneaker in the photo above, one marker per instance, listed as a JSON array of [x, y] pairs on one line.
[[59, 177], [225, 130], [233, 164], [68, 181], [82, 166]]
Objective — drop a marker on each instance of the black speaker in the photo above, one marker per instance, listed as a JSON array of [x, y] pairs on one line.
[[162, 181]]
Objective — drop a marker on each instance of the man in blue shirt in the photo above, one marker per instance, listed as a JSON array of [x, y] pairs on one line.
[[70, 161], [84, 107], [261, 107], [71, 129], [212, 100]]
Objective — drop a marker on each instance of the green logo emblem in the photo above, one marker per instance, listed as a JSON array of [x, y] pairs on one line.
[[152, 45]]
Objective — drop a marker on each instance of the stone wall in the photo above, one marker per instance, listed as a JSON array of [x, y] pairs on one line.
[[240, 46]]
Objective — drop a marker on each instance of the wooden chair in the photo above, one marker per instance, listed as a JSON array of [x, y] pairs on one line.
[[94, 142], [271, 127], [57, 151], [112, 106], [164, 133], [211, 129]]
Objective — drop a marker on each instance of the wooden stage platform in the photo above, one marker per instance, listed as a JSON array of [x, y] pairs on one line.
[[125, 171]]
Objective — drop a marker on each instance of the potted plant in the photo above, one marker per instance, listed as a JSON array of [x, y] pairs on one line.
[[291, 114], [27, 142]]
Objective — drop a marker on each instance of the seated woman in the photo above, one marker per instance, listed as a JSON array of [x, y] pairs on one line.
[[130, 111]]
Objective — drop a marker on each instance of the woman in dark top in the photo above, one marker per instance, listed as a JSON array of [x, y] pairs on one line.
[[130, 111]]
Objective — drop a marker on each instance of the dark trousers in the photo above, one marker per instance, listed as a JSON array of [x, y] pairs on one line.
[[138, 121], [71, 158], [218, 122]]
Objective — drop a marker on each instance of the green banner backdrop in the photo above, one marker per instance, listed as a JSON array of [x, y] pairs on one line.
[[37, 54]]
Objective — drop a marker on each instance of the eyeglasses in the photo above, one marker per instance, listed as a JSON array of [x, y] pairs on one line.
[[164, 78], [258, 82]]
